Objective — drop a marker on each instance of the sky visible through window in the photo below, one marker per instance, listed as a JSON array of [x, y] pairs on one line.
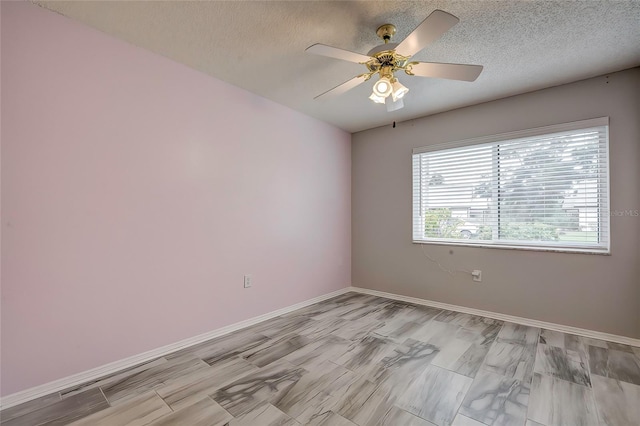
[[550, 188]]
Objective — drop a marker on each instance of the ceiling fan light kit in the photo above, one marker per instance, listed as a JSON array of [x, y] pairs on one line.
[[385, 60], [398, 91], [382, 87], [377, 99], [394, 105]]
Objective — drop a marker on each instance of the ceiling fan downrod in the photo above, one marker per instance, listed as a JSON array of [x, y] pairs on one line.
[[385, 32]]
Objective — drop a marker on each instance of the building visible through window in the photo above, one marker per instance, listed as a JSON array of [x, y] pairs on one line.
[[542, 188]]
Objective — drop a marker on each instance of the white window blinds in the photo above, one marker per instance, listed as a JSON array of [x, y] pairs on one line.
[[543, 188]]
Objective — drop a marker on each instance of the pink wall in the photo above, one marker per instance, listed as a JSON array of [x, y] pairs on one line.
[[136, 193]]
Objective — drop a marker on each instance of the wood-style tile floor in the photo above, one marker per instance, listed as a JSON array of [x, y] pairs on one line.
[[364, 360]]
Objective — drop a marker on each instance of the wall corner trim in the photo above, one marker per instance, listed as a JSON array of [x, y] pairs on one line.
[[104, 370], [504, 317]]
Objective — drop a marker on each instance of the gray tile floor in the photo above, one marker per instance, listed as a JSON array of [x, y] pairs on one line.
[[364, 360]]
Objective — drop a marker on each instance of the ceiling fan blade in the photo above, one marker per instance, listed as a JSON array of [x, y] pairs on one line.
[[342, 88], [334, 52], [429, 30], [448, 71]]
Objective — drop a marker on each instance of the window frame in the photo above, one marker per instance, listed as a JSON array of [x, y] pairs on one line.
[[523, 245]]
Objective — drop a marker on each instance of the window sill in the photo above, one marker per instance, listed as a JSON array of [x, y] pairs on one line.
[[575, 250]]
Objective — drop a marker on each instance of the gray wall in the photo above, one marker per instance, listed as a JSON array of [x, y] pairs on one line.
[[596, 292]]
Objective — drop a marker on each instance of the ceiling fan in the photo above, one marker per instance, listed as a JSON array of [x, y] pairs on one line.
[[389, 58]]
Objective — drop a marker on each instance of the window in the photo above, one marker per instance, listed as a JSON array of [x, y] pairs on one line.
[[545, 188]]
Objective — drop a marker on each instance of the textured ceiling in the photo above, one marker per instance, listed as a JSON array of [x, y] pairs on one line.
[[259, 46]]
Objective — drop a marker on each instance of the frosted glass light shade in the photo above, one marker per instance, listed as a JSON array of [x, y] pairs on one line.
[[382, 87], [398, 90]]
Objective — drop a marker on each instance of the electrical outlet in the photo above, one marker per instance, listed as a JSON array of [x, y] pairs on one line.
[[247, 281], [477, 275]]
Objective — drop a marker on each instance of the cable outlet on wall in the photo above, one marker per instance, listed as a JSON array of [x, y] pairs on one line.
[[477, 275], [248, 281]]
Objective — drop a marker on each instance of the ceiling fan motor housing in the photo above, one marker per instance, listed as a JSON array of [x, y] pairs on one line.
[[386, 62]]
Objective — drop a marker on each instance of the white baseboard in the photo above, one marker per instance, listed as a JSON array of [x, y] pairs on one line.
[[504, 317], [96, 373]]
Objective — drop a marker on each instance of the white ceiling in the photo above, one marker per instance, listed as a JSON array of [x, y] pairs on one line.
[[259, 46]]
